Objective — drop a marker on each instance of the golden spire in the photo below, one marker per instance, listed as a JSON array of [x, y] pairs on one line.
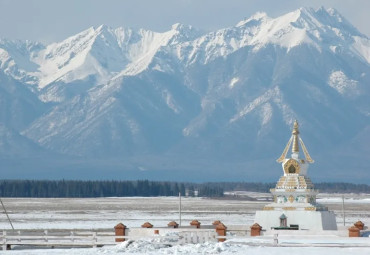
[[296, 140], [295, 133]]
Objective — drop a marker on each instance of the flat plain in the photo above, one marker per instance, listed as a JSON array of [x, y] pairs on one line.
[[106, 212]]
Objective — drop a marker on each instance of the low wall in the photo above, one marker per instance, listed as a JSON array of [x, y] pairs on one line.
[[334, 233], [148, 232]]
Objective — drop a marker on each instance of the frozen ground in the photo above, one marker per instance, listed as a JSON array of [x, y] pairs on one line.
[[105, 213]]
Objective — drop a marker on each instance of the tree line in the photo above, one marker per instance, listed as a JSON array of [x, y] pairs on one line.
[[342, 187], [323, 187], [145, 188], [73, 188]]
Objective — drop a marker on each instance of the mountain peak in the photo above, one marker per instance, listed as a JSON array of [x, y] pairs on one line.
[[179, 26], [102, 28], [184, 32], [322, 17], [258, 16]]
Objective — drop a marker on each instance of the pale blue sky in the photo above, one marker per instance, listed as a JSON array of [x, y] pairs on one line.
[[52, 20]]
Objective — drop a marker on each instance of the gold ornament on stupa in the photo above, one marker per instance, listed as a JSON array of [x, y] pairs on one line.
[[296, 140]]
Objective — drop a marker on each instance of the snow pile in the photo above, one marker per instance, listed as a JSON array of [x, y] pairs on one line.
[[150, 247], [144, 247], [168, 244]]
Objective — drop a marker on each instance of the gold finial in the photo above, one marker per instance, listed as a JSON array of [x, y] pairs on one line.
[[295, 139], [295, 133]]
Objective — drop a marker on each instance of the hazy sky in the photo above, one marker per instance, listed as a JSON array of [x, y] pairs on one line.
[[54, 20]]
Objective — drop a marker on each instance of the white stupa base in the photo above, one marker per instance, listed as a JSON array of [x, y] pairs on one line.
[[306, 220]]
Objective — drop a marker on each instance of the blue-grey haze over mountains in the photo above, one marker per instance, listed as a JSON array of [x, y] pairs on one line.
[[51, 21], [185, 104]]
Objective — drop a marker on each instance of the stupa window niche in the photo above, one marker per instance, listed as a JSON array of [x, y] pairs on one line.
[[291, 169]]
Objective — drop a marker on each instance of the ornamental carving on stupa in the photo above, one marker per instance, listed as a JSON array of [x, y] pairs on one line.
[[294, 190]]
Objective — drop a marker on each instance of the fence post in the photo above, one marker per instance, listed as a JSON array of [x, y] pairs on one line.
[[216, 222], [256, 229], [186, 237], [46, 235], [221, 231], [276, 240], [4, 240], [203, 237], [353, 232], [173, 224], [195, 224], [194, 238], [94, 240], [72, 237], [120, 230], [360, 225]]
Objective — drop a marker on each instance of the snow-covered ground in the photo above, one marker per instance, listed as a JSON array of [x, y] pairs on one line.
[[92, 213], [105, 213], [147, 247]]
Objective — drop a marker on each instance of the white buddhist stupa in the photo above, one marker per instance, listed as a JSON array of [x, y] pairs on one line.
[[294, 205]]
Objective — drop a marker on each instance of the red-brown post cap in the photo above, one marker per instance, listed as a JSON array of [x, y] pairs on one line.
[[173, 224], [216, 222], [120, 225], [221, 226], [147, 225]]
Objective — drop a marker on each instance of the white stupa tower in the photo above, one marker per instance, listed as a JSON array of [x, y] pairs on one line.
[[294, 205]]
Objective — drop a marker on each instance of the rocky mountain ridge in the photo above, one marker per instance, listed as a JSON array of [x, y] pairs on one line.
[[132, 104]]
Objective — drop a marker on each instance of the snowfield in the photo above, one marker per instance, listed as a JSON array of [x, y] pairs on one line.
[[105, 213]]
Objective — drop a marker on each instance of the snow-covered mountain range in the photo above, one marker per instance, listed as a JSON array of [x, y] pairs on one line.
[[187, 104]]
